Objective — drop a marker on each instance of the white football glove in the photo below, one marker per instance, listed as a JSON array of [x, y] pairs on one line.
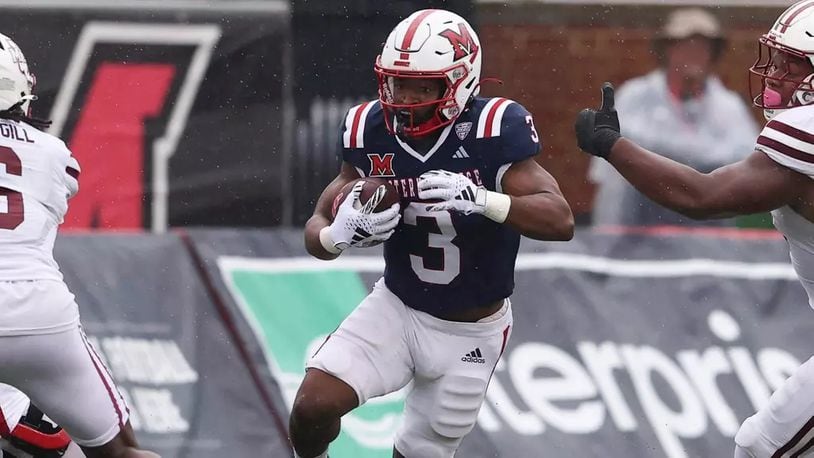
[[357, 225], [458, 193]]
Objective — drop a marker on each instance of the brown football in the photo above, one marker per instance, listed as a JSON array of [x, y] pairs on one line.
[[391, 196]]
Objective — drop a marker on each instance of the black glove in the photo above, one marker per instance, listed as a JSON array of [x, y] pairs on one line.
[[598, 130]]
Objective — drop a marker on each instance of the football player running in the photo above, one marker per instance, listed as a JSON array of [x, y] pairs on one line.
[[776, 177], [43, 350], [469, 185]]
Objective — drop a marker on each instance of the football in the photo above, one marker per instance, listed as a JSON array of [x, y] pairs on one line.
[[369, 188]]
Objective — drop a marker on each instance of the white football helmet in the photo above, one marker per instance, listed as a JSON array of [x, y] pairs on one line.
[[16, 81], [790, 34], [430, 44]]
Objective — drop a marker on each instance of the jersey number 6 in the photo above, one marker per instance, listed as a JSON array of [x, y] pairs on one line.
[[13, 214], [439, 245]]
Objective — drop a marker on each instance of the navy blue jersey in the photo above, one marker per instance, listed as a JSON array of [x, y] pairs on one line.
[[441, 262]]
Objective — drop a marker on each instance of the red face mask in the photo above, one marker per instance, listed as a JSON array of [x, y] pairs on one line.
[[414, 102]]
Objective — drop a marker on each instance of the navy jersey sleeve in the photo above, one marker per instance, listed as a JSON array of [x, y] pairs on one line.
[[518, 137], [509, 134], [353, 133]]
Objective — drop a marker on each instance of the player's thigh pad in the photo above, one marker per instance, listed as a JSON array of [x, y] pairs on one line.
[[450, 384], [368, 351], [437, 417], [456, 408], [64, 376], [784, 425]]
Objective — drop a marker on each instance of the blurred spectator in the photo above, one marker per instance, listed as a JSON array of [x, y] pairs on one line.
[[680, 110]]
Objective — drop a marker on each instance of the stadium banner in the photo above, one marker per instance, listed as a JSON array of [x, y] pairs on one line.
[[175, 111], [148, 313], [634, 346]]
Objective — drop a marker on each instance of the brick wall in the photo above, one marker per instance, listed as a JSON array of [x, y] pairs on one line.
[[553, 59]]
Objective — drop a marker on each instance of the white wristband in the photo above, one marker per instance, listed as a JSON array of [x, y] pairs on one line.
[[497, 206], [327, 241]]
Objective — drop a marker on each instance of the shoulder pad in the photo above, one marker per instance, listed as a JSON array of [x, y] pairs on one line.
[[491, 117], [354, 128]]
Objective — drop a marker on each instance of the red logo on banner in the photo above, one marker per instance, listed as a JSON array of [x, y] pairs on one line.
[[123, 108], [109, 143]]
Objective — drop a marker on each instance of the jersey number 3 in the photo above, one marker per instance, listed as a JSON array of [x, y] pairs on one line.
[[439, 245], [12, 215]]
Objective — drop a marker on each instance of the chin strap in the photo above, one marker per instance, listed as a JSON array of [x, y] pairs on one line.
[[801, 97], [428, 126], [804, 97]]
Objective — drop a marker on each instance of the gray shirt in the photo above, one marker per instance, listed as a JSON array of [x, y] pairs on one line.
[[704, 133]]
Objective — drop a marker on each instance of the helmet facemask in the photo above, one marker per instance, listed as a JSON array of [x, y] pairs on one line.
[[419, 119], [785, 76]]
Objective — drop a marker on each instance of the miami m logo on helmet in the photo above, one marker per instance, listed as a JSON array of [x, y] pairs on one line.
[[462, 43]]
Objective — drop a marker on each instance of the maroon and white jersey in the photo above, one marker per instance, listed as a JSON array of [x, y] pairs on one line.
[[789, 140], [38, 175]]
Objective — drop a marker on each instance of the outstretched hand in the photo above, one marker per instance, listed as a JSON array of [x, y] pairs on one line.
[[598, 130]]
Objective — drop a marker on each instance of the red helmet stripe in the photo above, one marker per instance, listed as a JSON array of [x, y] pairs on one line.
[[408, 37], [786, 22]]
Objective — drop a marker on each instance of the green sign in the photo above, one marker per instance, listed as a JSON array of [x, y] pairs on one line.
[[291, 311]]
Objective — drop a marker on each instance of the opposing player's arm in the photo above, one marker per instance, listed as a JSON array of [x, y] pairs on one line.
[[773, 176], [538, 209], [755, 184], [322, 212]]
